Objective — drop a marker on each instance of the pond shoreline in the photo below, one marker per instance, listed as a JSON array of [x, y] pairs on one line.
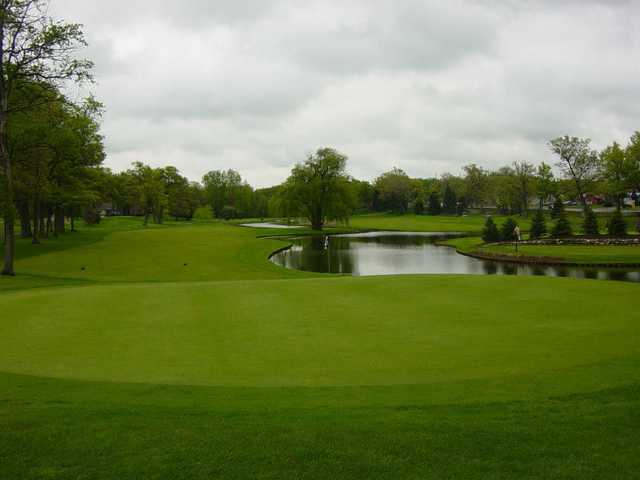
[[540, 260]]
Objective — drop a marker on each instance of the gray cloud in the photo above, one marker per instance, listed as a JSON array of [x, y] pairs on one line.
[[425, 86]]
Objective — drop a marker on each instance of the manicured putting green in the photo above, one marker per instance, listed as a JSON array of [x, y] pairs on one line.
[[309, 332]]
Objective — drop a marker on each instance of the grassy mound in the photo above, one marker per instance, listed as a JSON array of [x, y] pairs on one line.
[[402, 330]]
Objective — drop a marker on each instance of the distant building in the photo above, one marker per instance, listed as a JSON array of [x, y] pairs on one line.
[[106, 210]]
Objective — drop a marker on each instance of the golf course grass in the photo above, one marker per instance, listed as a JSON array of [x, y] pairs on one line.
[[425, 223], [573, 254], [179, 351], [467, 224]]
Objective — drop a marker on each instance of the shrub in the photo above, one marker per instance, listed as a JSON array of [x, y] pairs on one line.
[[562, 228], [538, 225], [228, 213], [506, 232], [558, 208], [490, 231], [590, 223], [617, 227]]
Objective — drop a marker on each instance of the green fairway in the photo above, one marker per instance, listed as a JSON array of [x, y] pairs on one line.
[[179, 351], [445, 223], [421, 223]]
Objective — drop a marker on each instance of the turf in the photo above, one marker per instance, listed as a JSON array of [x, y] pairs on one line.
[[422, 223], [140, 366], [288, 333], [587, 254], [465, 224], [575, 253]]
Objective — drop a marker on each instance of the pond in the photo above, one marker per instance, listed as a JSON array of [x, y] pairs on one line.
[[267, 225], [392, 253]]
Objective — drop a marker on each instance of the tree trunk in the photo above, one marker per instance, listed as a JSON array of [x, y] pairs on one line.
[[58, 223], [9, 210], [316, 219], [583, 202], [25, 219], [41, 221], [36, 223], [47, 228], [73, 222]]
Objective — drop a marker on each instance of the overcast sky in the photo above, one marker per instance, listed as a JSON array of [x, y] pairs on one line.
[[427, 86]]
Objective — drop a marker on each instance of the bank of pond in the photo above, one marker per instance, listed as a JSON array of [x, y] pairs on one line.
[[394, 253]]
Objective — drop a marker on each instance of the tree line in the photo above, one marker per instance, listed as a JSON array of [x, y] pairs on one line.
[[47, 143], [321, 190]]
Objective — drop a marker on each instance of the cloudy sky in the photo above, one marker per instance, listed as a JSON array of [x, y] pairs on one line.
[[427, 86]]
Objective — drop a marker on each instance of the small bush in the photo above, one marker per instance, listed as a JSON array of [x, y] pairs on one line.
[[203, 213], [562, 228], [558, 207], [590, 223], [418, 207], [490, 232], [538, 225], [229, 213], [506, 232], [617, 227]]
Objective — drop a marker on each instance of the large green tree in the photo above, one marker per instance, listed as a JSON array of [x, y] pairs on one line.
[[151, 188], [545, 184], [502, 190], [183, 197], [394, 189], [617, 170], [449, 200], [33, 47], [476, 185], [53, 145], [524, 173], [632, 153], [225, 188], [578, 162], [320, 189]]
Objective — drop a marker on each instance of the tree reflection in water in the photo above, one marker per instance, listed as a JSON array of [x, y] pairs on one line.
[[391, 253]]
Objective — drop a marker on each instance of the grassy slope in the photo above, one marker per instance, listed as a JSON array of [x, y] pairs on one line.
[[305, 376]]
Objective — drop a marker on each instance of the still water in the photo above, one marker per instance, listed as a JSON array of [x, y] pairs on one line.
[[392, 253], [267, 225]]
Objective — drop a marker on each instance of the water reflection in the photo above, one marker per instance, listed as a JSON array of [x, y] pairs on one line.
[[391, 253]]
